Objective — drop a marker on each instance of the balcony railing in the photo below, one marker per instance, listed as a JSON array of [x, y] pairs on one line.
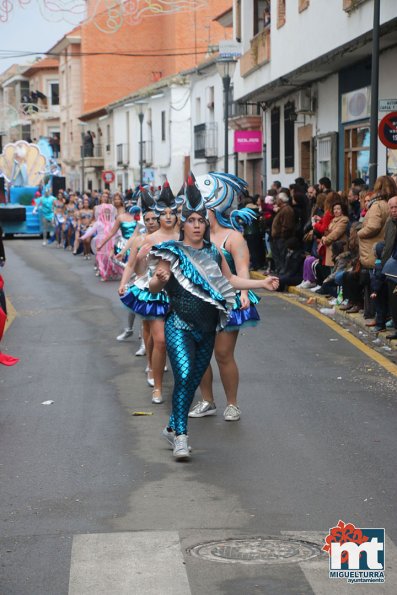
[[147, 152], [258, 54], [34, 111], [243, 109], [206, 140], [123, 154], [95, 151]]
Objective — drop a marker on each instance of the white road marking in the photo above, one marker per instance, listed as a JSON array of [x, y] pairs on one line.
[[141, 563]]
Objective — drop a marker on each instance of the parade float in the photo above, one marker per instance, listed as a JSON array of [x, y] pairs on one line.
[[27, 169]]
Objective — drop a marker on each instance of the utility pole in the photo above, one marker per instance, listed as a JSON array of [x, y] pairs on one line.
[[373, 147]]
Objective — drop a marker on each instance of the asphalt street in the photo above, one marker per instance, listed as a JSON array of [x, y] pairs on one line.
[[92, 501]]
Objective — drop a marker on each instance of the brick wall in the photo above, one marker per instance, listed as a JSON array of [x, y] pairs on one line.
[[107, 78]]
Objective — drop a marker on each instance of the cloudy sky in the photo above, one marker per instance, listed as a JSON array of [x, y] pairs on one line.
[[33, 28]]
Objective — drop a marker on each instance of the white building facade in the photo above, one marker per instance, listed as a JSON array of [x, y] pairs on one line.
[[308, 64], [166, 142]]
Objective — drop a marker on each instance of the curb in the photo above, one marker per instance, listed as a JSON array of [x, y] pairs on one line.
[[319, 301]]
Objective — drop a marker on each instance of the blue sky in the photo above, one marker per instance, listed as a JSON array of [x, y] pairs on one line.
[[27, 29]]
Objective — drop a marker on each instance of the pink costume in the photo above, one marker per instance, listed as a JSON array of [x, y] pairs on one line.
[[102, 228]]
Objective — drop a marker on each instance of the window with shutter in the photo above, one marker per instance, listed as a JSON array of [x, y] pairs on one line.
[[280, 13]]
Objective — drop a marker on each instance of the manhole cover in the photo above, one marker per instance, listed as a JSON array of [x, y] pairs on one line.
[[257, 550]]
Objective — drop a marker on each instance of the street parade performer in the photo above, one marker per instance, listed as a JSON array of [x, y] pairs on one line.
[[153, 306], [199, 285], [219, 191], [137, 297]]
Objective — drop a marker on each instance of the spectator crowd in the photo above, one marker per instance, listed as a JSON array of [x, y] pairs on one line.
[[339, 244]]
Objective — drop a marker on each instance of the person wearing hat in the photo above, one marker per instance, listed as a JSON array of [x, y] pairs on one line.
[[165, 208], [200, 288], [225, 232]]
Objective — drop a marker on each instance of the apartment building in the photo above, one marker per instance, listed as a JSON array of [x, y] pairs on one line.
[[40, 101], [160, 42], [164, 151], [68, 53], [14, 119], [307, 64], [97, 67]]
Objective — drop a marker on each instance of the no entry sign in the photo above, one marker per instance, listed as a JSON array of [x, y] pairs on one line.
[[387, 130], [108, 176]]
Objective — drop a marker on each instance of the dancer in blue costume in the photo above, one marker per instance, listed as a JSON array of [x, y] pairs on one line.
[[126, 223], [220, 191], [165, 208], [133, 291], [199, 285]]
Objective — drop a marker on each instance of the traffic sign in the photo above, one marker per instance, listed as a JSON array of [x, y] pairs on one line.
[[229, 48], [387, 105], [387, 130], [108, 176]]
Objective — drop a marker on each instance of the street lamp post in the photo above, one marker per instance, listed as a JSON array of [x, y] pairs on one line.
[[226, 67], [140, 107], [373, 138], [82, 135]]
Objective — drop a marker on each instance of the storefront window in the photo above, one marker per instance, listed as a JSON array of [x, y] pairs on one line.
[[391, 160], [357, 139]]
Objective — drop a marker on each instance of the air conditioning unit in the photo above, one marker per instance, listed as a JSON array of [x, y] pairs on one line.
[[304, 103], [356, 105]]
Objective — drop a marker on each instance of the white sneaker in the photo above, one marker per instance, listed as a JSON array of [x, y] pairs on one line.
[[231, 413], [168, 436], [181, 448], [44, 243], [202, 409], [126, 334], [141, 351], [314, 289], [306, 285]]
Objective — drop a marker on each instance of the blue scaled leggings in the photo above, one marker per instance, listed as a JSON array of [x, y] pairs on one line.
[[190, 353]]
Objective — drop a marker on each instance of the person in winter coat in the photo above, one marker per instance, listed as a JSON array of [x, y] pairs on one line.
[[372, 232], [283, 228], [337, 231]]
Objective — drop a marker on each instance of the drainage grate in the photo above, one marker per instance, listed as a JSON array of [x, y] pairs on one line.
[[257, 550]]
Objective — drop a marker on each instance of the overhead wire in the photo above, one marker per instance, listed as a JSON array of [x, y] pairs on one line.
[[24, 54]]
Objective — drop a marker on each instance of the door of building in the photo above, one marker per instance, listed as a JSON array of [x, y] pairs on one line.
[[356, 153]]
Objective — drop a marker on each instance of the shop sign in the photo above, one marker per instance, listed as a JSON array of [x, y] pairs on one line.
[[388, 105], [248, 141]]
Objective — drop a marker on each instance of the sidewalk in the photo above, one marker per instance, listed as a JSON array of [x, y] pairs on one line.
[[320, 302]]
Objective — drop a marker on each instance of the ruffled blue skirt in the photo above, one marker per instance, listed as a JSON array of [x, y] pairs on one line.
[[243, 318], [146, 304]]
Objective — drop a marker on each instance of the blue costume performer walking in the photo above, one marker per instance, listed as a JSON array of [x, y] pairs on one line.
[[199, 285], [219, 191]]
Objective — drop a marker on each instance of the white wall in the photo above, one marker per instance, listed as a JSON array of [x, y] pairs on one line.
[[327, 102], [319, 29], [168, 154], [200, 85]]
